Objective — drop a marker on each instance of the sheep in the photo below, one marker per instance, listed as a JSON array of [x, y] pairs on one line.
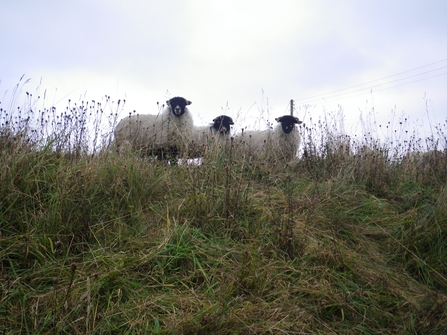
[[163, 135], [286, 137], [283, 141], [222, 124], [204, 135]]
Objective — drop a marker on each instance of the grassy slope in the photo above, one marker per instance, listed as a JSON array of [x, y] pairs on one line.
[[342, 241], [336, 243]]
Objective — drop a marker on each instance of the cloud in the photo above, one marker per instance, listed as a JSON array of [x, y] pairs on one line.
[[224, 31], [213, 52]]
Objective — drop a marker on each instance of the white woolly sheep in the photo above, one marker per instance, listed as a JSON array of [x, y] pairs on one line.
[[219, 130], [164, 135], [283, 141]]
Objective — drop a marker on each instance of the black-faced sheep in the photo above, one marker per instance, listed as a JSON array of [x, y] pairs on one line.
[[165, 135], [208, 135], [286, 137], [283, 141]]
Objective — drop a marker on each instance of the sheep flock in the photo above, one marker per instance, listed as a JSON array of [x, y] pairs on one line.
[[171, 134]]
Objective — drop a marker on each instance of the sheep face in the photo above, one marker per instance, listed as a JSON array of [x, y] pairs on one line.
[[177, 105], [288, 122], [222, 124]]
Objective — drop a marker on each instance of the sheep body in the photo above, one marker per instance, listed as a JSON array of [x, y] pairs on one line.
[[282, 141], [221, 126], [164, 134], [218, 131], [257, 141]]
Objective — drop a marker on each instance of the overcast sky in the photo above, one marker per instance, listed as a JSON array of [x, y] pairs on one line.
[[233, 56]]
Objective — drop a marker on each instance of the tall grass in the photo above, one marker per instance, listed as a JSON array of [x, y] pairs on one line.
[[348, 239]]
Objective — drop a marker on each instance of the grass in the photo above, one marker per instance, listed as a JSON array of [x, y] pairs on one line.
[[350, 239]]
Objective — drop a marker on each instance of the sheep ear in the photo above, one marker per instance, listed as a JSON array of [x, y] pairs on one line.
[[188, 102], [231, 121], [278, 119], [298, 121], [168, 103]]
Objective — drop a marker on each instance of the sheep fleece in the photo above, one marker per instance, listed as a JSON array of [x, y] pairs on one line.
[[284, 144], [155, 131]]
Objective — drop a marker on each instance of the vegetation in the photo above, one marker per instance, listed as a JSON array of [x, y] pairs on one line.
[[350, 239]]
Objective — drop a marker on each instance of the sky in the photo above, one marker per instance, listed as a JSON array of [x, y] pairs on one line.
[[374, 60]]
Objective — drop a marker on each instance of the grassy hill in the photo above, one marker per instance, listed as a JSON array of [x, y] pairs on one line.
[[346, 240]]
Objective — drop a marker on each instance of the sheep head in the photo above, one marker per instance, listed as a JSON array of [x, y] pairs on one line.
[[178, 105], [288, 122], [222, 124]]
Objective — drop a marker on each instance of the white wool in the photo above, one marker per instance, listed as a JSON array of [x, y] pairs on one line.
[[272, 141], [155, 132], [215, 134], [256, 141], [201, 134], [286, 144], [205, 136]]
